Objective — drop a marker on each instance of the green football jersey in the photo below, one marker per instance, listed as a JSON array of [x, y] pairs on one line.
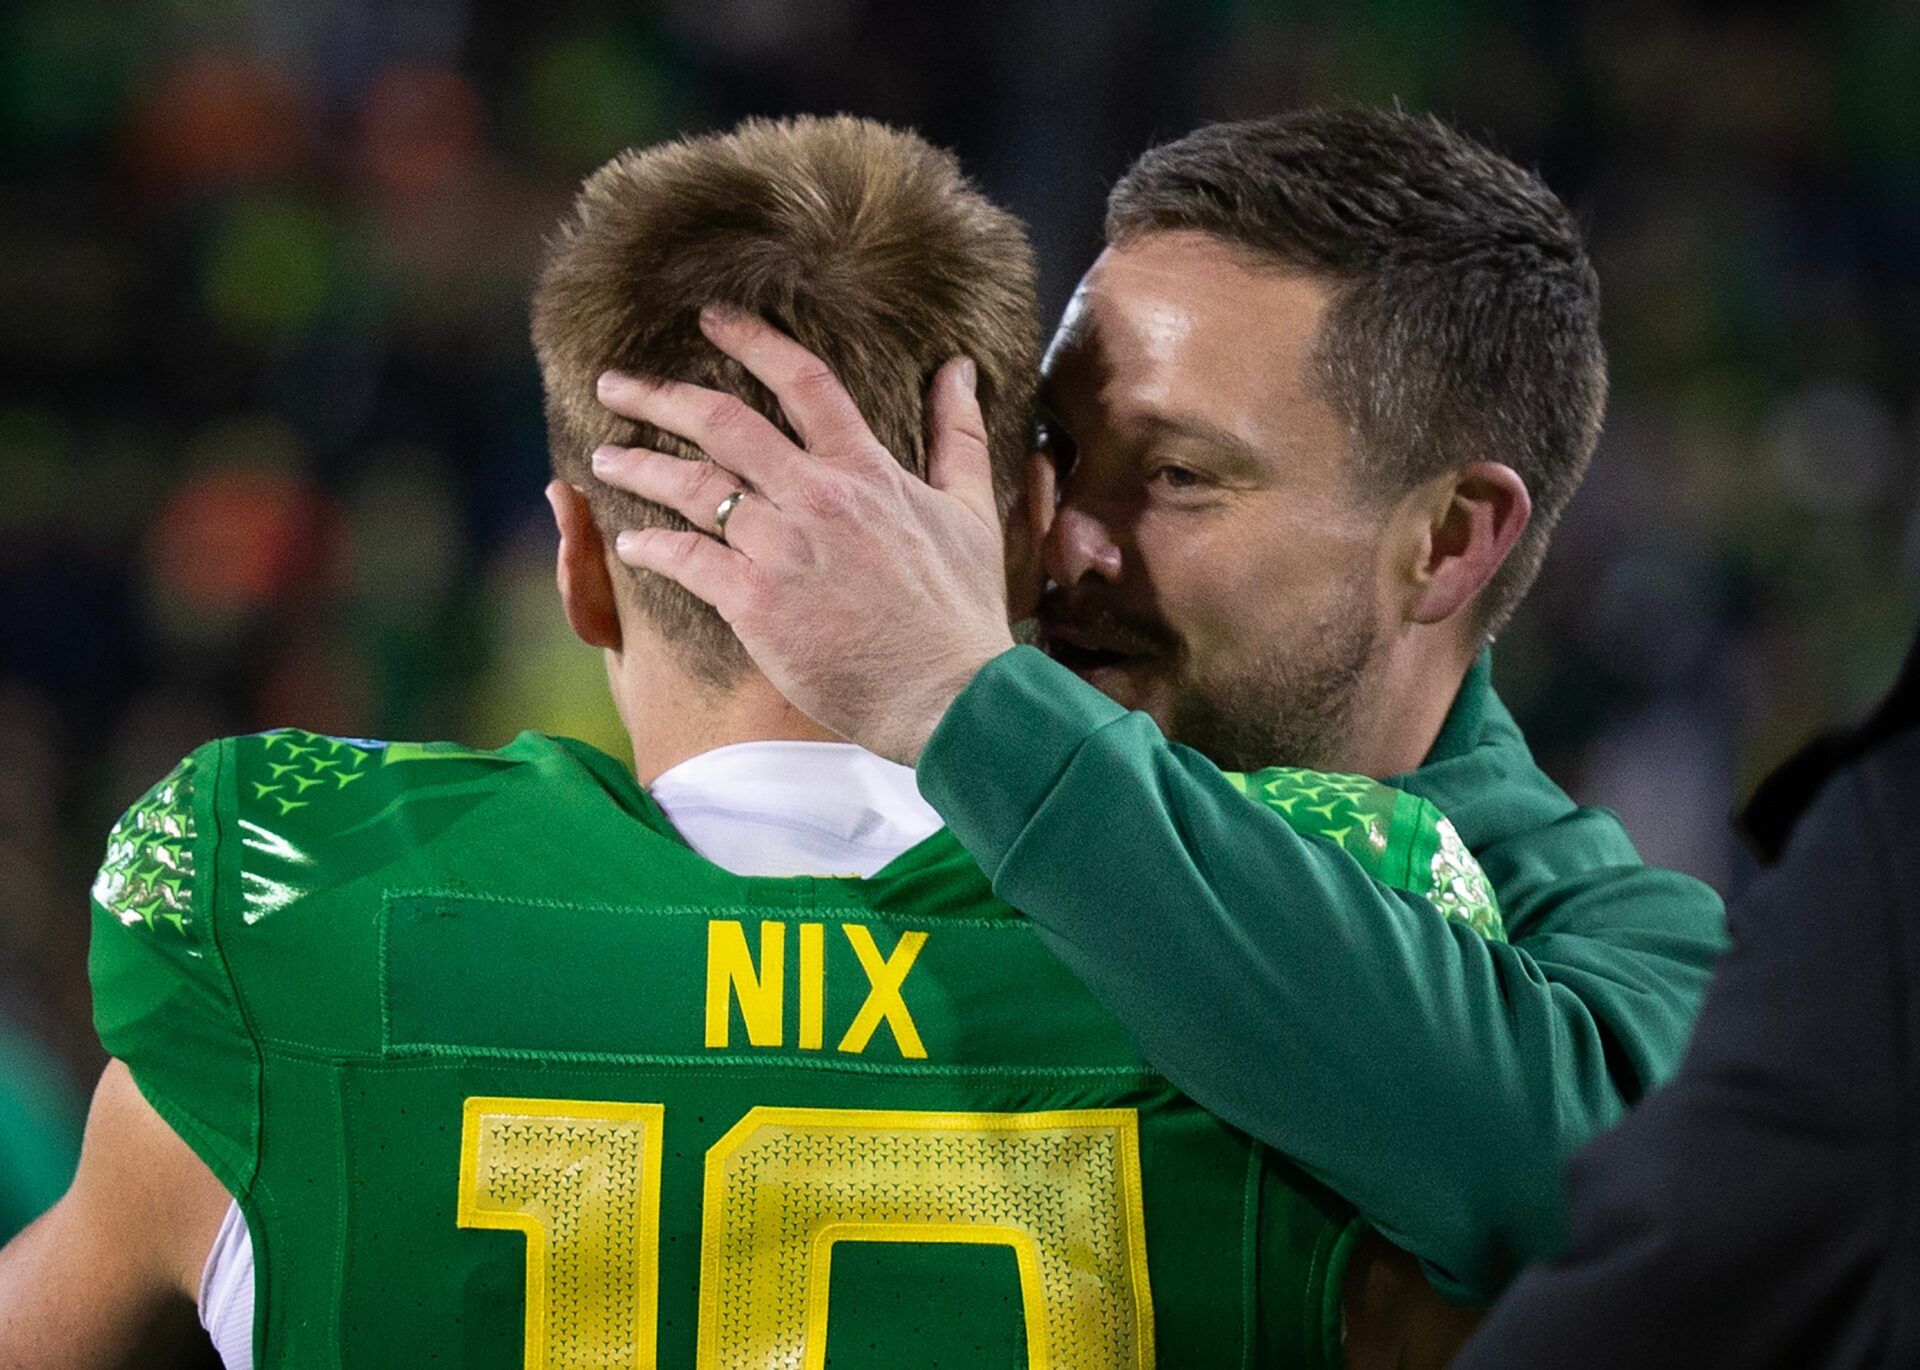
[[502, 1073]]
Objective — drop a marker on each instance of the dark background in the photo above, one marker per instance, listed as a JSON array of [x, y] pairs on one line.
[[270, 440]]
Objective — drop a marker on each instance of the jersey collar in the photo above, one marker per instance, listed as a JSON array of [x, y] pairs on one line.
[[937, 856]]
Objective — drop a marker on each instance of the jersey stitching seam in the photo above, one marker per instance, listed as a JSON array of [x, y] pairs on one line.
[[403, 1051], [342, 1187], [227, 775], [381, 923], [805, 903], [227, 771], [431, 1055], [1145, 1079]]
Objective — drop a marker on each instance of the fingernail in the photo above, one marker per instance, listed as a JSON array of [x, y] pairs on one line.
[[627, 542], [609, 379], [969, 374], [605, 456], [720, 314]]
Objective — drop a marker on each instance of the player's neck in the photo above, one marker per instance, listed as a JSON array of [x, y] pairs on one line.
[[672, 715]]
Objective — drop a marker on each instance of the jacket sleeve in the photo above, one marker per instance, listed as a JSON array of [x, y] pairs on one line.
[[163, 1001], [1434, 1078], [1737, 1217]]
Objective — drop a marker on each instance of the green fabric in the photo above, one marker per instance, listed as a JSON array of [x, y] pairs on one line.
[[39, 1132], [311, 952], [1398, 838], [161, 988], [1437, 1079]]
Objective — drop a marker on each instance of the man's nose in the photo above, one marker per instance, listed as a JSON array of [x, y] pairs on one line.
[[1079, 545]]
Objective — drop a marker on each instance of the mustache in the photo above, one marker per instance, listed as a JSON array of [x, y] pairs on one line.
[[1114, 628]]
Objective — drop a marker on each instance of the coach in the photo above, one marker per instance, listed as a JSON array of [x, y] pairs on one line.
[[1310, 419]]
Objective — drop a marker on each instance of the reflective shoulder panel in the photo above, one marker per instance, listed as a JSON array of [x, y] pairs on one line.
[[1399, 839], [163, 999], [146, 876]]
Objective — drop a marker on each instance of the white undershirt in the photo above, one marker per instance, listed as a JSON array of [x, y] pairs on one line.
[[754, 808]]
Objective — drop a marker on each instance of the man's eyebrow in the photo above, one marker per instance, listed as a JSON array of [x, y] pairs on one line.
[[1203, 431]]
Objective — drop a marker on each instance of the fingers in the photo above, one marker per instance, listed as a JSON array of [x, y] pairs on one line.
[[814, 401], [723, 426], [957, 458], [710, 570], [692, 489]]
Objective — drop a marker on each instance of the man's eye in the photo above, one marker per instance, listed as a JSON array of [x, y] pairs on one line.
[[1057, 444], [1178, 477]]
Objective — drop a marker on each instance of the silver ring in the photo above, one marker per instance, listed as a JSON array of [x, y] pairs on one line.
[[725, 511]]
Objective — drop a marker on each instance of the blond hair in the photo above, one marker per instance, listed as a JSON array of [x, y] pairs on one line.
[[866, 243]]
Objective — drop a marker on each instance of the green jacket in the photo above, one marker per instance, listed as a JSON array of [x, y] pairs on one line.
[[1436, 1079]]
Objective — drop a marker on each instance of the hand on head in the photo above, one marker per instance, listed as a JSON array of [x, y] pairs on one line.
[[866, 596]]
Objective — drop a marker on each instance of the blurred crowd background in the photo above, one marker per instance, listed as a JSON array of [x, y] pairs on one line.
[[270, 438]]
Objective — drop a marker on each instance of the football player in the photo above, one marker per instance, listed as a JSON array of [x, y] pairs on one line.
[[433, 1055]]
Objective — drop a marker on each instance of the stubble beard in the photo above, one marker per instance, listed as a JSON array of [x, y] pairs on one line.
[[1294, 706]]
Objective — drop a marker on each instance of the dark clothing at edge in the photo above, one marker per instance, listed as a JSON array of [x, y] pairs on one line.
[[1764, 1208]]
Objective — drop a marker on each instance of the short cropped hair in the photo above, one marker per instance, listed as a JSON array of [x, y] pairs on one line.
[[863, 242], [1465, 316]]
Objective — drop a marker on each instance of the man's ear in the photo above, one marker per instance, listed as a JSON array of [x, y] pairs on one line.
[[586, 587], [1473, 521]]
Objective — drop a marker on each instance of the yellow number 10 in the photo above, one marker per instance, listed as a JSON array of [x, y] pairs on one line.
[[784, 1186]]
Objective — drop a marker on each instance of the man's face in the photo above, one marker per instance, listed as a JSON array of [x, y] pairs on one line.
[[1212, 559]]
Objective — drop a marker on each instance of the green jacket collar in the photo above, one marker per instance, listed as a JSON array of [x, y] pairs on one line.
[[1480, 772], [1468, 717]]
